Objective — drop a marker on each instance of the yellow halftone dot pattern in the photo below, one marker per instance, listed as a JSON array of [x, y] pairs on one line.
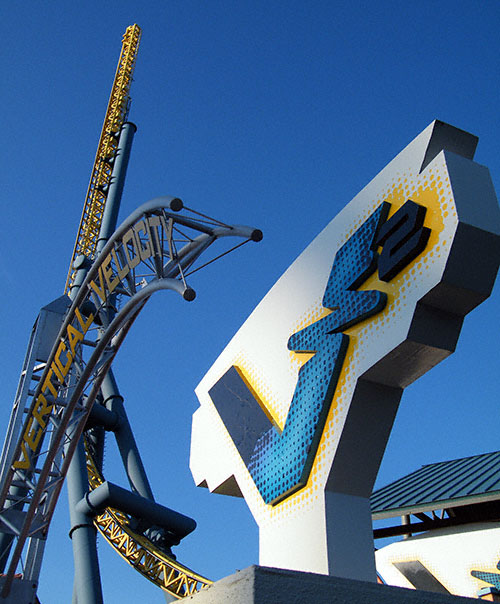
[[432, 190], [316, 312]]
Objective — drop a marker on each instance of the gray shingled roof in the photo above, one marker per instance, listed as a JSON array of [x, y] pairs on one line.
[[440, 485]]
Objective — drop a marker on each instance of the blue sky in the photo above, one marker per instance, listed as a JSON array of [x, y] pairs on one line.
[[273, 114]]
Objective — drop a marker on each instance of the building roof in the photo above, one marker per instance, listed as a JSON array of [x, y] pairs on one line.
[[446, 484]]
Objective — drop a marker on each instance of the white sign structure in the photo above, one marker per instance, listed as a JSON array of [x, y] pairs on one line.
[[296, 412], [457, 560]]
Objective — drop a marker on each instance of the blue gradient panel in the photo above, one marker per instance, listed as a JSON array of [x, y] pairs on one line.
[[281, 463]]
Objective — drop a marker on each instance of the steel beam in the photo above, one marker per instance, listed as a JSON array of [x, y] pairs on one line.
[[111, 495]]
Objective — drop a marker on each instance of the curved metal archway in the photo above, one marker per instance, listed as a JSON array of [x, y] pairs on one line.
[[154, 249]]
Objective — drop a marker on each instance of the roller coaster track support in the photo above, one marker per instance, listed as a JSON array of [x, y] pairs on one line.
[[67, 398], [87, 583], [116, 115], [156, 248]]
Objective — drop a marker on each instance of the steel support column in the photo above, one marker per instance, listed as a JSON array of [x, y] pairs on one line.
[[116, 183], [87, 588], [125, 440], [87, 583], [112, 399]]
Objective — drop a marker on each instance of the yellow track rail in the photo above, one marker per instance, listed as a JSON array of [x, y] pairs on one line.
[[95, 201], [139, 552]]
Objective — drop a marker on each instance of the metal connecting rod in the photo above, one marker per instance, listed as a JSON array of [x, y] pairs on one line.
[[87, 588]]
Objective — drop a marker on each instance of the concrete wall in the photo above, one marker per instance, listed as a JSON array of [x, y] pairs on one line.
[[263, 585]]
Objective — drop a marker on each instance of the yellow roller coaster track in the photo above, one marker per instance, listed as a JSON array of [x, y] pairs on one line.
[[95, 201], [140, 553]]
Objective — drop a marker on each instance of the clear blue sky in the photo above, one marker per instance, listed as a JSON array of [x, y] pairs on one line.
[[273, 114]]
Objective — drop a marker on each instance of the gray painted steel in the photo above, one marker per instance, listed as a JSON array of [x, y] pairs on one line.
[[444, 484], [111, 495], [125, 440], [87, 582], [116, 183], [87, 587], [72, 406], [100, 416], [22, 590], [43, 334], [112, 413]]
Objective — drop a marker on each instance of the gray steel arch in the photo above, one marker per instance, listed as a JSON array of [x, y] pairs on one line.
[[148, 239]]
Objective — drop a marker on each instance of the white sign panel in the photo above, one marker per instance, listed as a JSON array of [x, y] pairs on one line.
[[296, 412]]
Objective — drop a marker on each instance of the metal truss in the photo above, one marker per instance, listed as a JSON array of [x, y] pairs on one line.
[[116, 114], [141, 553], [154, 249]]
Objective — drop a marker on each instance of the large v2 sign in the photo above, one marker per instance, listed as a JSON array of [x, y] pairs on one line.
[[296, 412]]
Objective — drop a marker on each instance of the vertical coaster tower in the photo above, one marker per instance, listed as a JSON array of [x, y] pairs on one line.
[[68, 400], [100, 179]]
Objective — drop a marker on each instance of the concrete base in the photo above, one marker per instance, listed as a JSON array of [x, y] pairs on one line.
[[263, 585]]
